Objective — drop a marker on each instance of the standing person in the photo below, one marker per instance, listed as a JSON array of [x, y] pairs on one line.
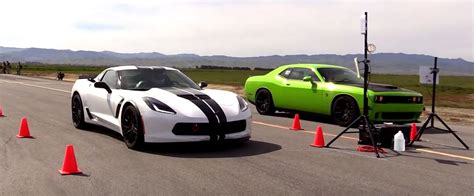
[[9, 67], [60, 75], [4, 68], [18, 68]]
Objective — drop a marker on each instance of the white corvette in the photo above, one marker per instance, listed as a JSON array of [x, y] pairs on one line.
[[156, 105]]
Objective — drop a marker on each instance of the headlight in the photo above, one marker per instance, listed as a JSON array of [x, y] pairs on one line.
[[242, 104], [419, 100], [378, 99], [158, 106]]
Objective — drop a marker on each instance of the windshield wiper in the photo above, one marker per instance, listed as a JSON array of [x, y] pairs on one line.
[[138, 89], [344, 80]]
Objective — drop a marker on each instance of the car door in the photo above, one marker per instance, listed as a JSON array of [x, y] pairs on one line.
[[303, 95], [103, 105]]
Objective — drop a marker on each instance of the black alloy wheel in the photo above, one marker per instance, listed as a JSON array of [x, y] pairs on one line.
[[77, 111], [264, 102], [132, 128], [345, 111]]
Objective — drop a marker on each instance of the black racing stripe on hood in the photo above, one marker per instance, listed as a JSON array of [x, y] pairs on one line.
[[375, 87], [213, 104], [182, 92]]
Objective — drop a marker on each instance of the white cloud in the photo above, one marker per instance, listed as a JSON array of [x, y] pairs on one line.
[[240, 28]]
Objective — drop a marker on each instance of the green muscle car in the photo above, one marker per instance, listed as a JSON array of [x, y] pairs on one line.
[[331, 90]]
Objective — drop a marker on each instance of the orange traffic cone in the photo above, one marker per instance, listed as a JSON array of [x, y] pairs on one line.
[[24, 131], [296, 123], [318, 138], [413, 132], [1, 112], [69, 163]]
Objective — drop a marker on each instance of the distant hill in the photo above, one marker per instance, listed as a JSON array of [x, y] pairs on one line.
[[396, 63]]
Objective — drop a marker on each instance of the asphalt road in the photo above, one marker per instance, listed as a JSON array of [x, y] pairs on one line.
[[276, 161]]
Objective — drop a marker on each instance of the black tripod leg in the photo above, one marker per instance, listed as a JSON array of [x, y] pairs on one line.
[[372, 125], [449, 130], [422, 129], [369, 128], [342, 132], [432, 120]]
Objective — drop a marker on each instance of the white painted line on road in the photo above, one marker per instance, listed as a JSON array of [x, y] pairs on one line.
[[329, 134], [43, 87], [353, 138], [313, 132], [269, 125], [37, 86], [445, 154]]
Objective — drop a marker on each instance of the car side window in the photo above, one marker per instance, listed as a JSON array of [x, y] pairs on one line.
[[110, 78], [285, 73], [300, 73]]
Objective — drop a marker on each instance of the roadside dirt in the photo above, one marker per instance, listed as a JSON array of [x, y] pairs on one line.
[[461, 116], [67, 77]]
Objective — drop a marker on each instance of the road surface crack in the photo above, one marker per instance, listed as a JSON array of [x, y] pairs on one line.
[[5, 151]]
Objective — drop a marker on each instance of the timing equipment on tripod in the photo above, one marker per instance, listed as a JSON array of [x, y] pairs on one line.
[[424, 78], [366, 125]]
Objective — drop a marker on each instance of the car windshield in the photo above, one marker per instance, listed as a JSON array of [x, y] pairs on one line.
[[339, 75], [145, 79]]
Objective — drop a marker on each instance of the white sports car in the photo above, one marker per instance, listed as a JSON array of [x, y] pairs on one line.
[[158, 104]]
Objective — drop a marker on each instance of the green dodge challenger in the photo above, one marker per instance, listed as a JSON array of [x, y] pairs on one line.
[[330, 90]]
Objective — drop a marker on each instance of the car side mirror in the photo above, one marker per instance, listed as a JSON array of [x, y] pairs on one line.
[[307, 79], [103, 85], [91, 80], [202, 84]]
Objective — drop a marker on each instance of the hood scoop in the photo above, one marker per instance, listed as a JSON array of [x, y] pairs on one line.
[[382, 87]]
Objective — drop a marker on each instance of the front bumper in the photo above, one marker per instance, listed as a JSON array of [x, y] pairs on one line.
[[163, 128], [399, 113]]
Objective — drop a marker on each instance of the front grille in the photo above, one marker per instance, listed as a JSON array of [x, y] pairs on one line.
[[206, 128], [398, 115], [399, 99]]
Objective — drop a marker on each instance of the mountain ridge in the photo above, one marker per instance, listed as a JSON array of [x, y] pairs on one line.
[[394, 63]]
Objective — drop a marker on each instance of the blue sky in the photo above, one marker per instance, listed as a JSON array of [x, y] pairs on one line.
[[241, 27]]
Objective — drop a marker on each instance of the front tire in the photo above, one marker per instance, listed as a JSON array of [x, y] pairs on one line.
[[132, 128], [344, 111], [264, 102], [77, 111]]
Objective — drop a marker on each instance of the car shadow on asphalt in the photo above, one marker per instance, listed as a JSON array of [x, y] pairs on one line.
[[226, 149], [418, 155], [327, 120], [391, 154], [435, 130], [306, 116], [103, 131]]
